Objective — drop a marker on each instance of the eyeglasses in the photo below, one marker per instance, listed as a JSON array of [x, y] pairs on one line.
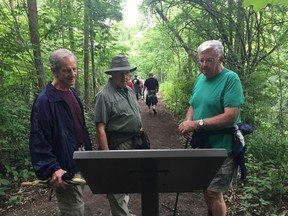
[[208, 60]]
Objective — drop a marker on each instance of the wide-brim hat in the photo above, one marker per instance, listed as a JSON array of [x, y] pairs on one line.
[[120, 63]]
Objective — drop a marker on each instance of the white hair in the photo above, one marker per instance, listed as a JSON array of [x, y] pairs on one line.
[[212, 44], [57, 56]]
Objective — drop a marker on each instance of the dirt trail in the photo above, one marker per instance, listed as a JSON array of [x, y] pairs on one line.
[[163, 133]]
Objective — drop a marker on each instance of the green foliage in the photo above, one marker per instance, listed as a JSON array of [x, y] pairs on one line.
[[176, 95], [89, 118], [4, 183], [15, 162], [152, 54], [267, 173], [258, 5]]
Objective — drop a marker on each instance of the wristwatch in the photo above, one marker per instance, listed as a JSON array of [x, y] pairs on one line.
[[201, 123]]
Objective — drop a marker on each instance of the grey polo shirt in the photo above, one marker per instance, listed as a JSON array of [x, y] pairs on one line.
[[118, 109]]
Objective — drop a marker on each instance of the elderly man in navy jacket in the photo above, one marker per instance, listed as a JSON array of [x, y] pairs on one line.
[[57, 130]]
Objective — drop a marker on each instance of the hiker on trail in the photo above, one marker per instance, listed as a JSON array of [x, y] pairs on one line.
[[118, 120], [57, 130], [152, 86], [137, 86], [216, 98]]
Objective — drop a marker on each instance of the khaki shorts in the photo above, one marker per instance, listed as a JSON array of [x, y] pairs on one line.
[[224, 177]]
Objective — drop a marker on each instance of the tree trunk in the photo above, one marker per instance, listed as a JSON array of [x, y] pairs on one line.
[[86, 55], [62, 24], [92, 36], [34, 38]]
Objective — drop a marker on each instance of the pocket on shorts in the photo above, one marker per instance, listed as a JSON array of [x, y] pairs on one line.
[[223, 179], [227, 171]]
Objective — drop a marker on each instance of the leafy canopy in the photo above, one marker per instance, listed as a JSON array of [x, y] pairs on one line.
[[258, 5]]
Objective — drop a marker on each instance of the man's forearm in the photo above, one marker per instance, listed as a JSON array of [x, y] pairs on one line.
[[189, 114], [102, 141], [222, 120], [101, 136]]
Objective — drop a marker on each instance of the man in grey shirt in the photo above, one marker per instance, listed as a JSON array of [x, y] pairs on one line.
[[118, 120]]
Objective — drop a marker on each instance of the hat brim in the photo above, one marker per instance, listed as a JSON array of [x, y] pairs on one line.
[[121, 69]]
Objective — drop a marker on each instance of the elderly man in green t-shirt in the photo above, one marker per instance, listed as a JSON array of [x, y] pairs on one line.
[[118, 120], [215, 105]]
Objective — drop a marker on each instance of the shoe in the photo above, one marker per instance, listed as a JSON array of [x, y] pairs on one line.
[[154, 110], [148, 111]]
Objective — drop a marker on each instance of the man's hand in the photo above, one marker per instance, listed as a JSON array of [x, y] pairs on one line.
[[56, 178], [187, 136], [187, 126]]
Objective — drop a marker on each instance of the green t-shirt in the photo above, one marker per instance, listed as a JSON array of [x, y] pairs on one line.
[[211, 96], [118, 109]]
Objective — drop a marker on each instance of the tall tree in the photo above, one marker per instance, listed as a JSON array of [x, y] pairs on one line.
[[92, 44], [62, 23], [35, 41], [86, 53]]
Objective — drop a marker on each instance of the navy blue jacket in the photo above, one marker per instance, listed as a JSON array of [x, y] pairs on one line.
[[52, 138]]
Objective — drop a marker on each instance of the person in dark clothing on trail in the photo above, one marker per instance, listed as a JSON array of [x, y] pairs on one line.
[[152, 86], [57, 130], [137, 87]]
